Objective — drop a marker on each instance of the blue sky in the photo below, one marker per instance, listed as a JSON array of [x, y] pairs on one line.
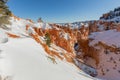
[[62, 10]]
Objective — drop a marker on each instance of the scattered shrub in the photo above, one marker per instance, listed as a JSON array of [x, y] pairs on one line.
[[47, 39], [52, 59]]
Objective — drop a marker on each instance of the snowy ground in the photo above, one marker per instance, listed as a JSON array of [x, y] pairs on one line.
[[24, 59], [110, 37], [109, 66]]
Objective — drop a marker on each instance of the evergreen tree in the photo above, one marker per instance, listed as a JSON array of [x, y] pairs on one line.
[[4, 8], [5, 13], [47, 39]]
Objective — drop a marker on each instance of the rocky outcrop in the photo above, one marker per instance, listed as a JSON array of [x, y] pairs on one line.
[[113, 15], [12, 35]]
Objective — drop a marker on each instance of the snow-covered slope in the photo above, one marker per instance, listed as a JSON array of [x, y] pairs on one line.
[[108, 45], [106, 38], [23, 55], [27, 60]]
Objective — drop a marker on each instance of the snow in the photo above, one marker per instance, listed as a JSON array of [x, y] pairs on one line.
[[108, 64], [66, 36], [109, 61], [25, 59], [87, 69], [116, 18], [43, 25], [18, 27], [3, 37], [29, 62], [75, 25], [86, 25], [110, 37]]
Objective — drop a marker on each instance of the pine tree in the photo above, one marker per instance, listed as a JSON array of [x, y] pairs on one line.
[[4, 8], [47, 39], [5, 13]]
